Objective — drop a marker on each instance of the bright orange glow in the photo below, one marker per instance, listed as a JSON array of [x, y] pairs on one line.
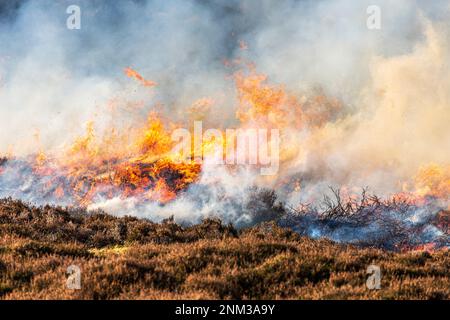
[[135, 75], [261, 102], [433, 180]]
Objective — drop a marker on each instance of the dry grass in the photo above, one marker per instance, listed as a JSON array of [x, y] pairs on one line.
[[129, 258]]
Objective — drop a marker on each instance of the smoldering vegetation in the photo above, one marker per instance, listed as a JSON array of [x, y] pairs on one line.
[[129, 258], [394, 224]]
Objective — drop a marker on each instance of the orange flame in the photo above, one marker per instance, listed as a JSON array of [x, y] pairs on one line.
[[134, 74], [433, 180]]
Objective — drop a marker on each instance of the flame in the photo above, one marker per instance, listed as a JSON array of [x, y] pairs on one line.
[[134, 74], [433, 180], [41, 158], [154, 140], [261, 102], [84, 147], [103, 167], [139, 162]]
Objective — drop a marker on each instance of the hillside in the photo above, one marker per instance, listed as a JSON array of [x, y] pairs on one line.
[[131, 258]]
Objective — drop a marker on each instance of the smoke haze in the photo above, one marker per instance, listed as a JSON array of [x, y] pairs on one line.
[[392, 85]]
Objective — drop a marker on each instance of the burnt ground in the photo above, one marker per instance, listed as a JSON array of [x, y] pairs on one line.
[[131, 258]]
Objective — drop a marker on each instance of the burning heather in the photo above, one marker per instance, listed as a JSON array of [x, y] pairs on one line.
[[331, 140]]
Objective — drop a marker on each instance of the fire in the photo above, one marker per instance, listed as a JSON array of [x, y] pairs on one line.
[[140, 162], [84, 147], [41, 158], [134, 74], [161, 192], [154, 139], [433, 180], [260, 102], [103, 167]]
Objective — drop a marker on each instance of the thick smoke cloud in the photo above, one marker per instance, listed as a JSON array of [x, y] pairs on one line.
[[51, 75]]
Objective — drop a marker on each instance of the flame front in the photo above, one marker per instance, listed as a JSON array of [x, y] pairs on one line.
[[139, 161]]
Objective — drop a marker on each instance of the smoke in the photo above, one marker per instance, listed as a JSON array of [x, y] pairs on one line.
[[392, 84], [54, 79], [401, 122]]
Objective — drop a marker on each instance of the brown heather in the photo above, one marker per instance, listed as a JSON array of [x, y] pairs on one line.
[[130, 258]]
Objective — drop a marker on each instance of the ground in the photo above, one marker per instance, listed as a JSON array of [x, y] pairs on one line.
[[131, 258]]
